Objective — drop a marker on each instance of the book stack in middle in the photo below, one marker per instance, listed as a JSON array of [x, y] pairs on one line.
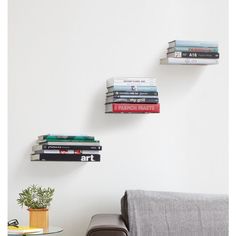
[[66, 148], [132, 95]]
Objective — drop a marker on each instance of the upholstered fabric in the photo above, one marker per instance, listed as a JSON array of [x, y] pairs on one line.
[[149, 213]]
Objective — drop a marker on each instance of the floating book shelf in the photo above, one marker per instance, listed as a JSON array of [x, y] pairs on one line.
[[129, 95], [181, 52], [61, 148]]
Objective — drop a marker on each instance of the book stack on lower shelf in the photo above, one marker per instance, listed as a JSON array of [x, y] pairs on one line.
[[66, 148], [181, 52], [132, 95]]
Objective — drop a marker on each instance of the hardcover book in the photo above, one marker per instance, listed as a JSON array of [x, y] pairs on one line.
[[191, 49], [129, 81], [132, 94], [189, 43], [214, 55], [70, 143], [61, 151], [131, 100], [132, 88], [66, 157], [65, 147], [49, 137], [132, 108]]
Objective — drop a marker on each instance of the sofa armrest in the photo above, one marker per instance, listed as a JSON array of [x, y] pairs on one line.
[[107, 225]]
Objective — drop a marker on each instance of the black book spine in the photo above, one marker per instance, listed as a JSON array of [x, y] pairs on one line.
[[66, 157], [68, 147], [115, 93], [135, 100], [214, 55]]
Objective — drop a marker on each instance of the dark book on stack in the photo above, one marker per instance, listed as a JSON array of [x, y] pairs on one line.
[[66, 148], [132, 95], [191, 52]]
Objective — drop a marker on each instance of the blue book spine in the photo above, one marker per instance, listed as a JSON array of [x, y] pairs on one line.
[[135, 88], [186, 43], [192, 49]]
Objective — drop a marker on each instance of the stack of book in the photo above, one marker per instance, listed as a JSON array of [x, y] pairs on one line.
[[66, 148], [191, 52], [132, 95]]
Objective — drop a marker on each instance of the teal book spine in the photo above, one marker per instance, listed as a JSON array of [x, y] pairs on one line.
[[135, 88], [66, 138], [194, 49]]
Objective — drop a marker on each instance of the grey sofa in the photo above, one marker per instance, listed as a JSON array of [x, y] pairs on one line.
[[149, 213]]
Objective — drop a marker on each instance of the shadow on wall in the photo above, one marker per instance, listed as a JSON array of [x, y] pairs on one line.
[[50, 170], [175, 79], [99, 121]]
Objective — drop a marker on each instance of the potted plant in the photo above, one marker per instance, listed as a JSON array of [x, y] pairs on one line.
[[37, 199]]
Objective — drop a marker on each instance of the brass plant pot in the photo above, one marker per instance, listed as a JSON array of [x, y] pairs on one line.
[[38, 218]]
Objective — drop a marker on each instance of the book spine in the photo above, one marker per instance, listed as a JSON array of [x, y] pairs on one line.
[[131, 96], [64, 147], [65, 137], [61, 151], [69, 139], [66, 157], [62, 143], [136, 108], [191, 49], [66, 141], [133, 100], [118, 93], [135, 88], [213, 55], [135, 82], [185, 43]]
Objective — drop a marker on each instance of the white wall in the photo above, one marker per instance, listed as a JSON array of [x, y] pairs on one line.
[[60, 54]]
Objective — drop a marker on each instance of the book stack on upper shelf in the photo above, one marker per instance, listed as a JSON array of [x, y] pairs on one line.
[[132, 95], [181, 52], [66, 148]]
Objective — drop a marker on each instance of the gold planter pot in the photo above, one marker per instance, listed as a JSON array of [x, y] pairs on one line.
[[38, 218]]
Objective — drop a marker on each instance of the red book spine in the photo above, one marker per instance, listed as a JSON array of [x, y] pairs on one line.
[[136, 108]]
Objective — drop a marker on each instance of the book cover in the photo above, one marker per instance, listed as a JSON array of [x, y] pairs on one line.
[[188, 61], [131, 100], [191, 49], [214, 55], [64, 147], [50, 137], [66, 157], [12, 230], [132, 88], [129, 81], [132, 108], [192, 43]]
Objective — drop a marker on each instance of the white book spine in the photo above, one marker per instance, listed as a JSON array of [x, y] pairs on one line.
[[129, 81]]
